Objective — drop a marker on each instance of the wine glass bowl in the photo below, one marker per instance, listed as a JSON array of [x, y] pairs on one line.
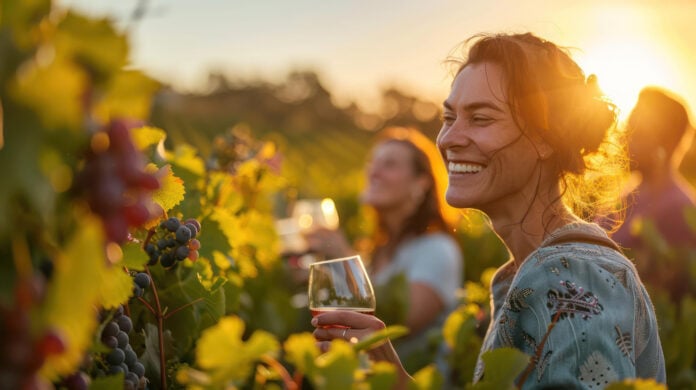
[[340, 284]]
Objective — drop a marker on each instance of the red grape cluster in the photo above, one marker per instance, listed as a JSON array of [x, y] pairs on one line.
[[22, 353], [115, 182], [174, 241]]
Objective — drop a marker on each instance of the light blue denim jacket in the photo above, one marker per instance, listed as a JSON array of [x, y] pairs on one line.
[[605, 327]]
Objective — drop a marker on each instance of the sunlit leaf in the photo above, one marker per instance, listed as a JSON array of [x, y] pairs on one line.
[[389, 333], [222, 352], [75, 291], [502, 366], [336, 367], [93, 43], [111, 382], [186, 157], [53, 91], [636, 384], [171, 191], [301, 350], [134, 257], [146, 136], [382, 375], [128, 94], [427, 378], [459, 324]]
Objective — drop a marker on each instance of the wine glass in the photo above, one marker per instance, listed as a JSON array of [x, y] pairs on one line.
[[340, 284], [314, 213]]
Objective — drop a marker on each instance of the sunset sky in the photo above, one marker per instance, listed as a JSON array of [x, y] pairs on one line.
[[359, 47]]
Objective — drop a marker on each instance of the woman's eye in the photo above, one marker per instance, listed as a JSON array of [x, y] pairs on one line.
[[448, 119], [481, 120]]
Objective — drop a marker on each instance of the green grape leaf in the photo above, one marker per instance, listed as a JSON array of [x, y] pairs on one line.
[[183, 288], [336, 367], [76, 287], [213, 241], [460, 325], [134, 257], [636, 384], [53, 91], [115, 287], [389, 333], [171, 191], [186, 157], [382, 375], [427, 378], [222, 352], [128, 94], [301, 350], [146, 136], [93, 43], [150, 357], [111, 382], [502, 366]]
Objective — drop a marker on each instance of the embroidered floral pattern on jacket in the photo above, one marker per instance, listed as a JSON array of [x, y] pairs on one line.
[[515, 301], [581, 313], [573, 301]]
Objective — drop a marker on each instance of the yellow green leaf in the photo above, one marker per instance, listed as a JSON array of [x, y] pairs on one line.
[[75, 291], [186, 157], [225, 356], [171, 191], [301, 350], [146, 136], [636, 384], [128, 94], [134, 257], [454, 322], [427, 378]]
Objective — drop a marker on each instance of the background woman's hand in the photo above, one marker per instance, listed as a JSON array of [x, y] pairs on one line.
[[331, 243]]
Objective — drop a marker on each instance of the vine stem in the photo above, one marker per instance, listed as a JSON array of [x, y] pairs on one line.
[[539, 350], [287, 379], [160, 329], [171, 313]]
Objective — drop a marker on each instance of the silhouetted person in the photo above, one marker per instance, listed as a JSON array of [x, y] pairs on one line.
[[659, 133]]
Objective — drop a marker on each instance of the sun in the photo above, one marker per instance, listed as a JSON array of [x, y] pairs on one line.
[[625, 66]]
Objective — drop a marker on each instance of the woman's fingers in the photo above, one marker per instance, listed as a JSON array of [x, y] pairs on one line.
[[332, 332], [347, 318], [346, 325]]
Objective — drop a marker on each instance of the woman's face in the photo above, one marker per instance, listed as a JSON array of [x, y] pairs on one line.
[[391, 181], [491, 164]]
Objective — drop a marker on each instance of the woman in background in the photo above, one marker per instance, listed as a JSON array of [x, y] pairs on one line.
[[415, 263]]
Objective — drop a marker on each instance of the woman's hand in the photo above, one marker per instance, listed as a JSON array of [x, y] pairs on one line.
[[352, 327], [331, 243]]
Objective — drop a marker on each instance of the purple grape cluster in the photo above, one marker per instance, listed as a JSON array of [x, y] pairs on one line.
[[115, 182], [121, 358], [173, 241]]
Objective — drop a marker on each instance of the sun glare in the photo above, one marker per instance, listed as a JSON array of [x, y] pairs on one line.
[[623, 68]]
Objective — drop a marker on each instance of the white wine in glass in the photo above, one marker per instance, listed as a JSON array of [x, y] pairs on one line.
[[340, 284]]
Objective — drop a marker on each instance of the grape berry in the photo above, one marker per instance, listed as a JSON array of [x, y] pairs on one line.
[[174, 241]]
